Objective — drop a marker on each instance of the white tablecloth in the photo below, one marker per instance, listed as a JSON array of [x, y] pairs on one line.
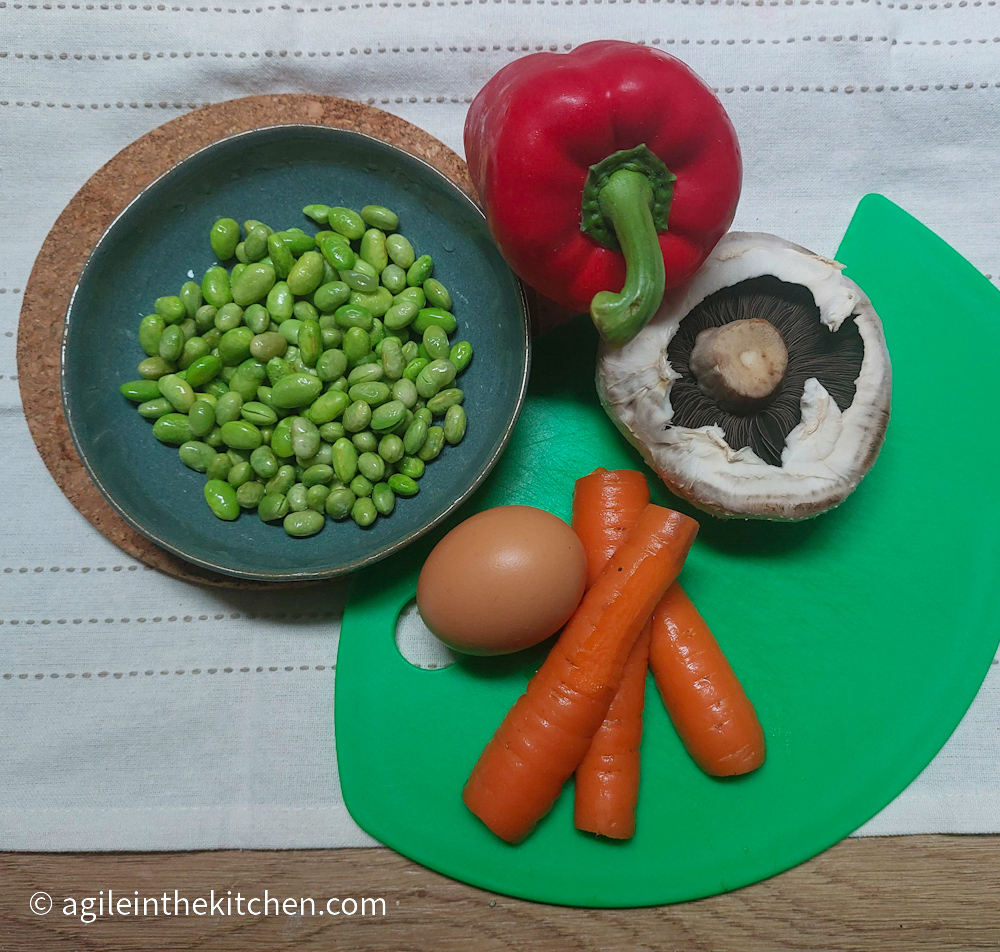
[[139, 712]]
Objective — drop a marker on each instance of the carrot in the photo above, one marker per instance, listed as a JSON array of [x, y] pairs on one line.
[[705, 700], [606, 504], [546, 733]]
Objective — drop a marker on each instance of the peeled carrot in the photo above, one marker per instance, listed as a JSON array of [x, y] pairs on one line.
[[606, 504], [706, 702], [546, 733]]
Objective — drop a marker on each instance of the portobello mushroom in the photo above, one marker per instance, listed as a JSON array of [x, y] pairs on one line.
[[761, 389]]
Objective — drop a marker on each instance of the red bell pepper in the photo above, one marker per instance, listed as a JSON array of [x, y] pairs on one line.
[[606, 174]]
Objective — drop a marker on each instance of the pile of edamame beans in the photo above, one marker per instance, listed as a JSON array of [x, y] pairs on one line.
[[314, 378]]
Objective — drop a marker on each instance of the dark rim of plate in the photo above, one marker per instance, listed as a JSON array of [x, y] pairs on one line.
[[294, 576]]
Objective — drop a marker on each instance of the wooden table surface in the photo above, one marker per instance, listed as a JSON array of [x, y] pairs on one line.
[[911, 893]]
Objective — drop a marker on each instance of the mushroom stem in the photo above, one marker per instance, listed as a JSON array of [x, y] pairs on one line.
[[740, 365]]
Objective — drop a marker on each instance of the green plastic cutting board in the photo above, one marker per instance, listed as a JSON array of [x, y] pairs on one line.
[[861, 636]]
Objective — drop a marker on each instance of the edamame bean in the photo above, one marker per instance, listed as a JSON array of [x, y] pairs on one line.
[[377, 303], [281, 438], [424, 414], [298, 497], [339, 503], [391, 448], [194, 349], [414, 368], [331, 364], [357, 417], [170, 308], [259, 414], [345, 460], [234, 347], [155, 408], [263, 462], [400, 314], [241, 435], [455, 423], [419, 271], [215, 287], [306, 522], [318, 213], [436, 343], [364, 512], [196, 455], [151, 329], [254, 284], [279, 302], [444, 399], [296, 390], [139, 391], [378, 216], [201, 417], [353, 315], [361, 486], [219, 466], [328, 297], [371, 466], [305, 436], [432, 445], [357, 344], [224, 237], [310, 343], [228, 317], [373, 393], [316, 474], [227, 407], [328, 406], [434, 377], [268, 344], [190, 295], [437, 294], [204, 317], [414, 437], [256, 318], [316, 497], [255, 243], [373, 249], [281, 256], [414, 295], [393, 278], [290, 331], [337, 252], [366, 373], [282, 480], [403, 485], [400, 251], [331, 432], [411, 466], [307, 274], [358, 280], [272, 507], [387, 416], [250, 494], [178, 391], [221, 499], [405, 390], [434, 316], [346, 222]]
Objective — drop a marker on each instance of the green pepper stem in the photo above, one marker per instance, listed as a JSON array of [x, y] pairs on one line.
[[626, 202]]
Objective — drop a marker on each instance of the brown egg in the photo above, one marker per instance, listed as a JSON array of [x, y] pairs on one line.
[[503, 580]]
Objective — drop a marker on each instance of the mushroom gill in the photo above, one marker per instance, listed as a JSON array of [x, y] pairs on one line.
[[813, 350]]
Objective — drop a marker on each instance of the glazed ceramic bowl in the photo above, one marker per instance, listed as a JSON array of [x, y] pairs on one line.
[[161, 240]]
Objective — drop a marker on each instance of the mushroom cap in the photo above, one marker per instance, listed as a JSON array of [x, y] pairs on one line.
[[825, 455]]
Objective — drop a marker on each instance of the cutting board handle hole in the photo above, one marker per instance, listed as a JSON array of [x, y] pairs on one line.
[[417, 645]]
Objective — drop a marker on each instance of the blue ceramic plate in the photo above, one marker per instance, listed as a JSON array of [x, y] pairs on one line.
[[161, 240]]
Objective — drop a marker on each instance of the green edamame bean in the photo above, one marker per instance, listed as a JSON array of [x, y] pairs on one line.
[[240, 473], [305, 436], [405, 391], [391, 448], [276, 368], [310, 343], [188, 328], [194, 349], [345, 460], [387, 416], [432, 445], [415, 436], [365, 441], [254, 284], [358, 280], [414, 368], [364, 512], [155, 408], [357, 417], [400, 251], [201, 417], [328, 406], [298, 498], [436, 343], [196, 455], [401, 314], [331, 364], [424, 414], [241, 435], [437, 294], [383, 498], [296, 390], [227, 407], [306, 275], [151, 329], [279, 302], [328, 297], [257, 319], [403, 485], [221, 499], [339, 503], [346, 222], [365, 373], [414, 295], [178, 391], [219, 466], [250, 494], [245, 382], [411, 350], [419, 271], [281, 438], [461, 355], [393, 278], [282, 258], [172, 428], [190, 295], [339, 384], [273, 506], [204, 318], [170, 308], [290, 331], [434, 377], [371, 466], [224, 237], [259, 414], [281, 481], [305, 522], [377, 303], [263, 462], [337, 251], [455, 422], [316, 497], [267, 345], [392, 359], [373, 393], [139, 391], [378, 216], [357, 344], [228, 317], [318, 213], [373, 250], [255, 243], [411, 466], [298, 241], [331, 432], [361, 486], [440, 403], [234, 347], [353, 315], [434, 316], [215, 287], [318, 473]]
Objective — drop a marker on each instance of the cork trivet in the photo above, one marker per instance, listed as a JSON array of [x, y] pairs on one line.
[[85, 219]]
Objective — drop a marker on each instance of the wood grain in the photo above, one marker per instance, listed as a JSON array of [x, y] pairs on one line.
[[935, 893], [85, 219]]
